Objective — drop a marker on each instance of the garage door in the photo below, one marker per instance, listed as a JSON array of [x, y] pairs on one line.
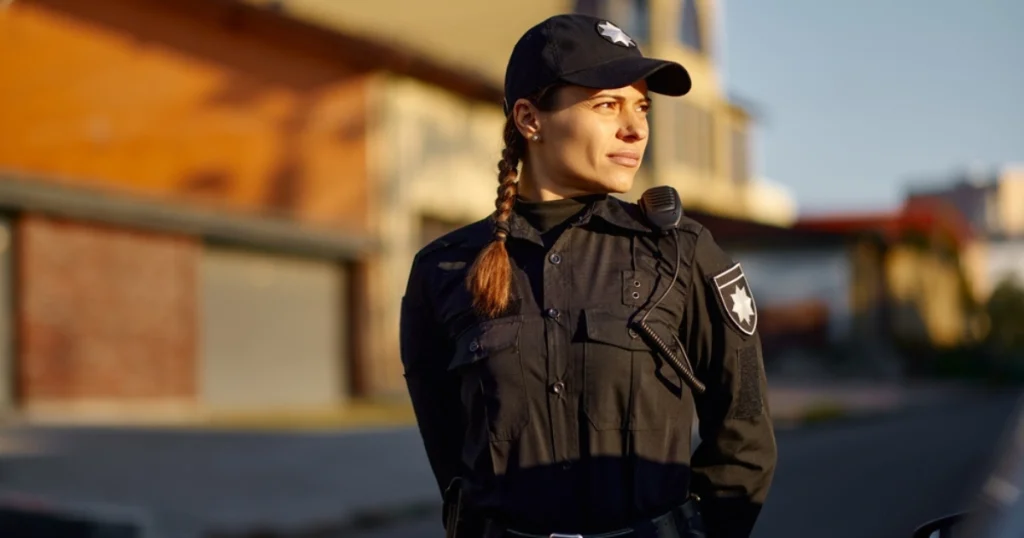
[[273, 331]]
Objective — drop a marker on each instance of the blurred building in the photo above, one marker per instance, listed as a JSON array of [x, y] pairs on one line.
[[852, 293], [991, 203], [208, 206]]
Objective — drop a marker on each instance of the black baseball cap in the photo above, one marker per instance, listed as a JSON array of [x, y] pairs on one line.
[[585, 51]]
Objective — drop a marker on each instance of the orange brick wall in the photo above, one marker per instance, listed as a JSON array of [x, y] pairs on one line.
[[104, 313], [182, 100]]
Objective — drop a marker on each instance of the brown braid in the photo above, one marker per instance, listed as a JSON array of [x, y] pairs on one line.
[[490, 278]]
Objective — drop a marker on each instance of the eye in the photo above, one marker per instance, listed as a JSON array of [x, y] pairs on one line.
[[607, 105], [644, 107]]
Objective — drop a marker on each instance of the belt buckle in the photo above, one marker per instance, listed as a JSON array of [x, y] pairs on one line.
[[560, 535]]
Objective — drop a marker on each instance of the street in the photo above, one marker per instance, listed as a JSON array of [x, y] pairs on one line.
[[875, 478]]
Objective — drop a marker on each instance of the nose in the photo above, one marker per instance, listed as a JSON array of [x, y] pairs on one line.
[[634, 126]]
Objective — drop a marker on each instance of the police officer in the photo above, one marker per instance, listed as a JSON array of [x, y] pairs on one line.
[[557, 351]]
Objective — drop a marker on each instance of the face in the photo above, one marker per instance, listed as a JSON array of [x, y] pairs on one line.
[[593, 141]]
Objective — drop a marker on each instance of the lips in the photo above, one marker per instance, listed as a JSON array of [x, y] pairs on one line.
[[625, 158]]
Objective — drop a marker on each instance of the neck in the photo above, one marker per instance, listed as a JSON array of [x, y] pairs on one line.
[[540, 187]]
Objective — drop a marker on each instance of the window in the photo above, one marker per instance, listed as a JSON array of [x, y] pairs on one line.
[[690, 26], [633, 16], [693, 137], [740, 155]]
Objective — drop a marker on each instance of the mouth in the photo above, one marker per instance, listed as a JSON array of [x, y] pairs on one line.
[[630, 159]]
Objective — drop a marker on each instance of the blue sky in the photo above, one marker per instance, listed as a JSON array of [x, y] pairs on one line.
[[859, 97]]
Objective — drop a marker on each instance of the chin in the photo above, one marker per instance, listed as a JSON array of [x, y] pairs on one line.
[[604, 181], [618, 183]]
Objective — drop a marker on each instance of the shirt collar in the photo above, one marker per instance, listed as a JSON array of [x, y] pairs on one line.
[[605, 208]]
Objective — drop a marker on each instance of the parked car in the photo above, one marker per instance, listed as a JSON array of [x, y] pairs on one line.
[[998, 510]]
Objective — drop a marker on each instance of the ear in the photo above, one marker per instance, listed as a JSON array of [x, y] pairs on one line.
[[527, 118]]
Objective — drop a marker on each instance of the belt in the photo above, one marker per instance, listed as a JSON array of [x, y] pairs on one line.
[[682, 521]]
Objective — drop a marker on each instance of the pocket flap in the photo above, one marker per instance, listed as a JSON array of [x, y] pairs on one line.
[[610, 328], [485, 339]]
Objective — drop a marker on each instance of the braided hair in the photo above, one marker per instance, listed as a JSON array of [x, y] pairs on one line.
[[490, 278]]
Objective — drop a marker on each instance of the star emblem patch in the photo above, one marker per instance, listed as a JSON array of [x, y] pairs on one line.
[[737, 301], [615, 34]]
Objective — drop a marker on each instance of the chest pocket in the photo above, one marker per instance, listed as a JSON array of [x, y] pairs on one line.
[[627, 385], [488, 359]]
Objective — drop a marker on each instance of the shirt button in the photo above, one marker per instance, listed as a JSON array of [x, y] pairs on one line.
[[555, 258], [558, 387], [551, 313]]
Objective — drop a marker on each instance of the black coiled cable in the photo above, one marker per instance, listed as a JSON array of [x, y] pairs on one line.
[[641, 326]]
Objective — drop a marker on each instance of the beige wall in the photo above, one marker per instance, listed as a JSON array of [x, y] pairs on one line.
[[470, 33], [1011, 200], [432, 155], [693, 137]]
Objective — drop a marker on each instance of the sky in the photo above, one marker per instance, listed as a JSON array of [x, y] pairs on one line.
[[855, 99]]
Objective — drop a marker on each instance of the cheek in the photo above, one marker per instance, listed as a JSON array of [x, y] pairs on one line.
[[586, 145]]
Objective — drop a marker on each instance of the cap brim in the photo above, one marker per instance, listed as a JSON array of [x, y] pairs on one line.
[[662, 76]]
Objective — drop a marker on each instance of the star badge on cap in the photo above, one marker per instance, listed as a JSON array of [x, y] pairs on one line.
[[734, 292], [615, 34]]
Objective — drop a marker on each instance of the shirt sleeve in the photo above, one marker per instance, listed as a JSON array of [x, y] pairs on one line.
[[433, 390], [734, 463]]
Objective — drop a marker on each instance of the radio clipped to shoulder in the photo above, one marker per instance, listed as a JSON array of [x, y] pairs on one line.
[[662, 207], [664, 211]]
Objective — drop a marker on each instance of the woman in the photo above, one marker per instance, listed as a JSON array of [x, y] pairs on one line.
[[539, 343]]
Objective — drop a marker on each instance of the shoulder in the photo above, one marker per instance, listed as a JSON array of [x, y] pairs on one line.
[[449, 253], [709, 258], [631, 215], [692, 227], [471, 236], [725, 279]]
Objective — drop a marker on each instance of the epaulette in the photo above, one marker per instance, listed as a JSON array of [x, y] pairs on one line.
[[686, 224], [465, 234]]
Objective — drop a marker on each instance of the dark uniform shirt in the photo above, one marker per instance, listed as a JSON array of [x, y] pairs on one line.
[[561, 418]]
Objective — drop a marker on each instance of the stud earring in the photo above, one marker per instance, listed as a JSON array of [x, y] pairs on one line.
[[535, 137]]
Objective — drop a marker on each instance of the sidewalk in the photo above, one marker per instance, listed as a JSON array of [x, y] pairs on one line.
[[794, 403], [195, 481]]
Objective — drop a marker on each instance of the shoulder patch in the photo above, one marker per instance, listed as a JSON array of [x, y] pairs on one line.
[[737, 301]]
